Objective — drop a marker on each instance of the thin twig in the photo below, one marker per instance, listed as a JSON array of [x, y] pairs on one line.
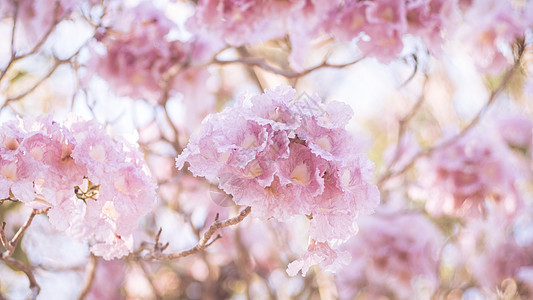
[[14, 57], [11, 245], [91, 272], [204, 241], [261, 63], [58, 62]]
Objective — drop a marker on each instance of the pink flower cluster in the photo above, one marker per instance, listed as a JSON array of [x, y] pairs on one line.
[[385, 22], [377, 26], [393, 254], [285, 156], [139, 55], [490, 25], [470, 175], [95, 187]]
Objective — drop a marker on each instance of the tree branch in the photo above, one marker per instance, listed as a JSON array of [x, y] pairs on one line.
[[204, 242], [11, 245], [261, 63], [34, 287], [90, 274]]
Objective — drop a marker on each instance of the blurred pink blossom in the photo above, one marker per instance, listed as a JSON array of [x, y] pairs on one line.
[[472, 173], [390, 255], [492, 254]]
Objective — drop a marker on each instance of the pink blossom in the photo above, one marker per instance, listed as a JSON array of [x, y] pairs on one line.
[[284, 157], [95, 186], [239, 22], [245, 22], [379, 26], [429, 19], [467, 176], [491, 24], [391, 252], [319, 253], [139, 56]]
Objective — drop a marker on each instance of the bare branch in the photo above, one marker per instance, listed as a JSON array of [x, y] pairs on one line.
[[204, 241], [3, 238], [11, 245], [261, 63], [14, 57]]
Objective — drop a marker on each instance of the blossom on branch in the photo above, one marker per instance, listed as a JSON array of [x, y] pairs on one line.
[[96, 187], [286, 156]]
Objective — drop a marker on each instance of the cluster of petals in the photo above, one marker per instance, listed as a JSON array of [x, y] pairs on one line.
[[139, 55], [286, 156], [392, 255], [141, 60], [246, 22], [490, 25], [470, 175], [383, 22], [380, 25], [95, 187]]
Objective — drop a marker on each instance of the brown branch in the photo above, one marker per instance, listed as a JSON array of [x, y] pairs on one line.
[[11, 245], [261, 63], [204, 241], [34, 287], [58, 62], [90, 274], [3, 239], [14, 57]]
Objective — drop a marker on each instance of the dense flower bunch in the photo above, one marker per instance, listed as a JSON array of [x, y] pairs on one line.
[[138, 55], [286, 157], [378, 26], [471, 174], [392, 254], [94, 186], [385, 22]]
